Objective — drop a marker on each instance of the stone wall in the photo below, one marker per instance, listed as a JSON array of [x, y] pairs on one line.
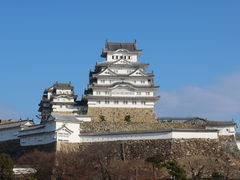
[[208, 155], [119, 114], [107, 126], [172, 148]]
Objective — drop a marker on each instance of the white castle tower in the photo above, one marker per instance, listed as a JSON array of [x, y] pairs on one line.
[[119, 89], [58, 98]]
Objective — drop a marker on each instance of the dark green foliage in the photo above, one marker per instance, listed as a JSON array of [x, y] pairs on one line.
[[157, 160], [29, 178], [102, 118], [217, 175], [175, 170], [6, 167], [127, 118]]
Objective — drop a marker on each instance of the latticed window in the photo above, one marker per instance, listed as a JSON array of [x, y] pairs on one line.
[[63, 134], [107, 101], [125, 102]]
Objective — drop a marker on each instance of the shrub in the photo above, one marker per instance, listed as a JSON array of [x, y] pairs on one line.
[[175, 170], [156, 160], [6, 167]]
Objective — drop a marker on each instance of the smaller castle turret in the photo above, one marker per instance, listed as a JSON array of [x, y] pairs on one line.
[[58, 98]]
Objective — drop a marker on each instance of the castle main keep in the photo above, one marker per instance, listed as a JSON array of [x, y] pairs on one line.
[[119, 88]]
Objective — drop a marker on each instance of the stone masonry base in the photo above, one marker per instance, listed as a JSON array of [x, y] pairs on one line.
[[122, 114]]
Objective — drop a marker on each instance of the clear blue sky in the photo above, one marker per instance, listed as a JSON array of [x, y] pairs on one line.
[[189, 44]]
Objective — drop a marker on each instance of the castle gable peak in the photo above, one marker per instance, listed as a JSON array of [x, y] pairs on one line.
[[65, 129], [137, 72], [107, 72], [121, 61]]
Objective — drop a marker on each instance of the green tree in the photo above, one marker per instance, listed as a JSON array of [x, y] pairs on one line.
[[175, 170], [157, 160], [6, 167]]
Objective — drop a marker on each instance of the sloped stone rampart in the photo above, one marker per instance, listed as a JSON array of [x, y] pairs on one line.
[[119, 114], [172, 148], [103, 127], [206, 153]]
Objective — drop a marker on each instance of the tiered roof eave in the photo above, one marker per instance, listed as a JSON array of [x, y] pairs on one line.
[[116, 46], [145, 98]]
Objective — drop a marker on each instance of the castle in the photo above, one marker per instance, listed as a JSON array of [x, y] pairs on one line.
[[120, 91]]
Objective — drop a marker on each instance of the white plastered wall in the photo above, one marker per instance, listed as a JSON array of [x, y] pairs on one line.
[[9, 134], [224, 130]]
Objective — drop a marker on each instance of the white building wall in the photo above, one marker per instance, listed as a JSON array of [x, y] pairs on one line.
[[238, 144], [9, 134], [148, 136], [62, 99], [225, 130], [136, 82], [84, 118], [37, 139], [49, 126], [123, 93], [64, 108], [64, 91], [139, 104], [53, 131], [133, 57], [191, 135], [122, 137], [73, 137]]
